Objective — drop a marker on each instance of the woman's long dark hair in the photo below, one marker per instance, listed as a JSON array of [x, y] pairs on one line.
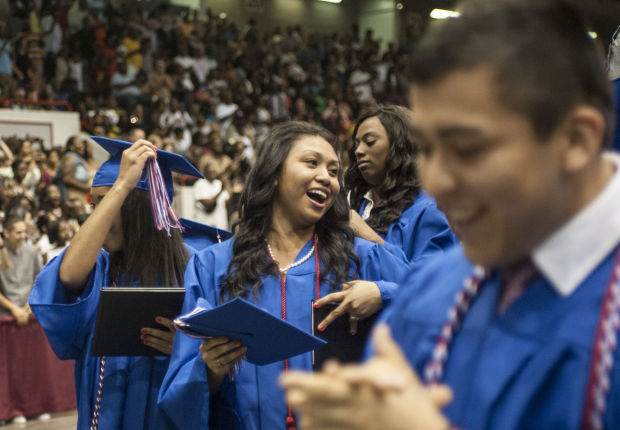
[[148, 256], [400, 185], [250, 260]]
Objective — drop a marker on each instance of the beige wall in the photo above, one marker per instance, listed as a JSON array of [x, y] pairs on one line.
[[313, 15], [380, 16]]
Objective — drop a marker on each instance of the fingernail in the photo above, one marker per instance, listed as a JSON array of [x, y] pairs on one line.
[[158, 319], [316, 305], [237, 343], [143, 330], [321, 328]]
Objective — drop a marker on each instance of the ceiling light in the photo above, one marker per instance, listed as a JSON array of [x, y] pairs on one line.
[[331, 1], [443, 14]]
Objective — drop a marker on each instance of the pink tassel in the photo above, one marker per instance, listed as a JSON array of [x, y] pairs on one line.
[[163, 213]]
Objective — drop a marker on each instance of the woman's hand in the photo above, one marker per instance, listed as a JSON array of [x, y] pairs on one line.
[[220, 355], [363, 230], [360, 299], [161, 340], [133, 161]]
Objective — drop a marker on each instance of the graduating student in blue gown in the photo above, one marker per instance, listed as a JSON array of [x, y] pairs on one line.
[[292, 208], [384, 188], [117, 245], [511, 137]]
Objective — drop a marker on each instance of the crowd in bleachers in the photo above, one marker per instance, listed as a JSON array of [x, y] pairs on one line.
[[204, 87]]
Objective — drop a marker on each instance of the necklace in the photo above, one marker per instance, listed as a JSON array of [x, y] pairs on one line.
[[294, 263], [290, 420]]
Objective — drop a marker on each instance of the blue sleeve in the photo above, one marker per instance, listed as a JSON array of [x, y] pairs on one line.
[[66, 319], [184, 394], [384, 265], [422, 233], [434, 234]]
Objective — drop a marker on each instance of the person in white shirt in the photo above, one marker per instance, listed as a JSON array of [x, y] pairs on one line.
[[210, 199]]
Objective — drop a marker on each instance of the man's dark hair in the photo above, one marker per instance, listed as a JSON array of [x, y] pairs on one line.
[[544, 61], [11, 221]]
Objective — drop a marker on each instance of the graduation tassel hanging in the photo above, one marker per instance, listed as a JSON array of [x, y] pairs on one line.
[[163, 213]]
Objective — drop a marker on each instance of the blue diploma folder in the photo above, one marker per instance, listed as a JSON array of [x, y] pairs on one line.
[[267, 337]]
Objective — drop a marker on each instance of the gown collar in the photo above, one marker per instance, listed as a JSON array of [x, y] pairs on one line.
[[573, 251]]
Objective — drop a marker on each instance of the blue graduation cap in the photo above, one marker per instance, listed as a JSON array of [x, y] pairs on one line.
[[168, 162], [199, 236], [268, 338]]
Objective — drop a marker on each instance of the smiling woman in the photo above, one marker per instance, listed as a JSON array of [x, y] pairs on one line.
[[292, 244]]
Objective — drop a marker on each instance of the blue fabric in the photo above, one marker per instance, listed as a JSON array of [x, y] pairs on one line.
[[421, 231], [254, 400], [130, 384], [526, 368], [199, 236], [5, 58]]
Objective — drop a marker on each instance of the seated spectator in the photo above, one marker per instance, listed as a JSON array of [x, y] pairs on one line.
[[22, 207], [20, 266], [59, 234], [6, 159], [50, 201], [160, 84], [18, 186], [50, 163], [125, 86], [72, 177], [225, 110], [210, 197], [216, 157], [43, 245]]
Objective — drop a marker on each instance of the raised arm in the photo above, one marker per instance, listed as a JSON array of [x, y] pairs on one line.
[[84, 248]]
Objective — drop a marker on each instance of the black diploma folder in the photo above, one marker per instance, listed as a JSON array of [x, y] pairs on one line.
[[123, 311], [341, 344], [268, 338]]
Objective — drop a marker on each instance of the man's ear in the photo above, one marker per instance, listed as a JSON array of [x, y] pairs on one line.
[[583, 130]]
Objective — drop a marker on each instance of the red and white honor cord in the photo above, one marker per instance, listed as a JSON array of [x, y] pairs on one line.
[[94, 422], [434, 370], [603, 351], [163, 213]]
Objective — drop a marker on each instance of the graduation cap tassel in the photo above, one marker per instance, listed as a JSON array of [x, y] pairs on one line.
[[163, 213]]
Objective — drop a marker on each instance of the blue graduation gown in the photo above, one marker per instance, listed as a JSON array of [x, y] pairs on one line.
[[254, 400], [524, 369], [130, 384], [421, 230]]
